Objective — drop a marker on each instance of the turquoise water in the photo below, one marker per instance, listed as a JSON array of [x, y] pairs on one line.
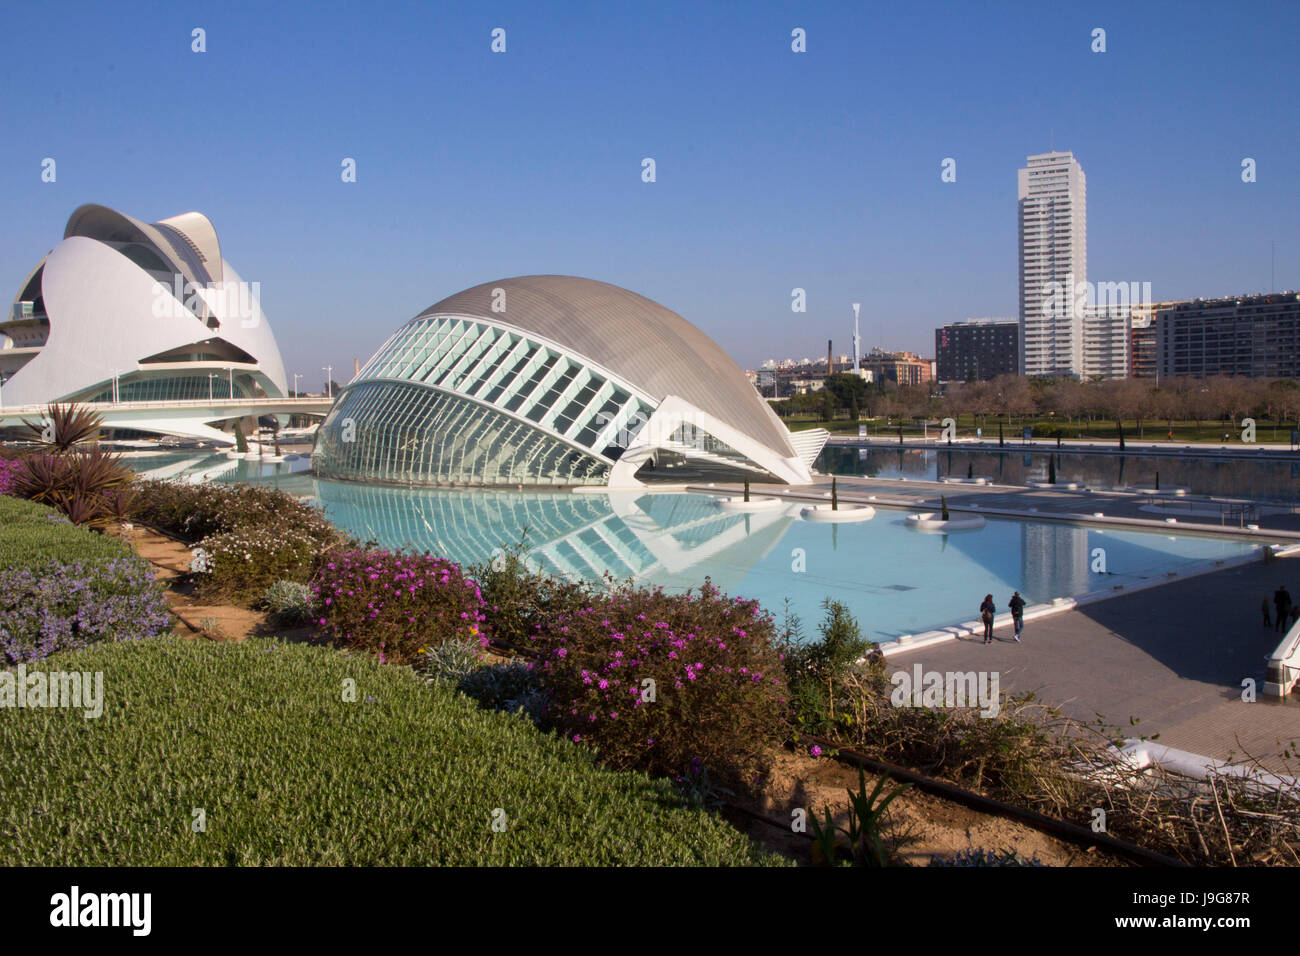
[[894, 579]]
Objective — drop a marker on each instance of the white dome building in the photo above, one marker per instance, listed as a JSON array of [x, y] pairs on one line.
[[128, 312], [555, 381]]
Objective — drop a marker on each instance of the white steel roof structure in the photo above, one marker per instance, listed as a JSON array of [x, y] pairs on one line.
[[123, 311], [555, 380]]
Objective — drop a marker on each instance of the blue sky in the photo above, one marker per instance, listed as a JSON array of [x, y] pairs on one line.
[[775, 170]]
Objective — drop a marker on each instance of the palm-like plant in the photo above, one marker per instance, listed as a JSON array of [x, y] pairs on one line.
[[87, 486], [66, 426]]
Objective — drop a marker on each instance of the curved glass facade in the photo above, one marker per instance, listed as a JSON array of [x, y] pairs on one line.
[[411, 434], [512, 371], [171, 387]]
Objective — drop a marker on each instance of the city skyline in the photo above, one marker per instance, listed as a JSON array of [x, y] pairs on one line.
[[821, 170]]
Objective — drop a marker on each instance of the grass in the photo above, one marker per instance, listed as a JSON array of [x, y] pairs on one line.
[[288, 773], [32, 535]]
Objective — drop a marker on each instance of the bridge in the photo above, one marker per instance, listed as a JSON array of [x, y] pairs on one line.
[[183, 419]]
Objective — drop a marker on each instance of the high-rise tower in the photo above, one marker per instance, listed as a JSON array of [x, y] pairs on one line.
[[1053, 264]]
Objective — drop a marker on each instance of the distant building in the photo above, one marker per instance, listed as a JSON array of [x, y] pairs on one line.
[[1053, 254], [1256, 336], [1106, 341], [977, 350], [901, 368], [1142, 361]]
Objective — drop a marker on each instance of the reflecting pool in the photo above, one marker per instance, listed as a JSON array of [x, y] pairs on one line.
[[894, 579], [1235, 478]]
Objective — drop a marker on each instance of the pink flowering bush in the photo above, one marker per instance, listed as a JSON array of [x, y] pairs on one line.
[[395, 604], [655, 681]]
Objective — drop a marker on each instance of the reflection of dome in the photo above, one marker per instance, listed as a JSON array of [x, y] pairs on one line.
[[656, 538], [555, 380], [127, 310]]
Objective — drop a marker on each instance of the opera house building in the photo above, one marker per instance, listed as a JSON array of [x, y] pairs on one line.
[[127, 312], [555, 381]]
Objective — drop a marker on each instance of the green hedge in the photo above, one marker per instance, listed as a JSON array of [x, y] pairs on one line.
[[288, 773], [32, 535]]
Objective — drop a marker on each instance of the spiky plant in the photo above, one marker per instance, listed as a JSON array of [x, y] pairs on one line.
[[835, 496], [65, 425]]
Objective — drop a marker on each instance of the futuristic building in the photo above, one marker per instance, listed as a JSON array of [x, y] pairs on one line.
[[555, 381], [126, 312]]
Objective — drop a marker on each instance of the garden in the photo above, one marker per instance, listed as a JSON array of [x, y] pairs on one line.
[[429, 713]]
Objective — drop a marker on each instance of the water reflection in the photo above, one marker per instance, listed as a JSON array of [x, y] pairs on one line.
[[1264, 480]]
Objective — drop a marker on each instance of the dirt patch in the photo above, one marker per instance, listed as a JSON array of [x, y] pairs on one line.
[[918, 826], [222, 622]]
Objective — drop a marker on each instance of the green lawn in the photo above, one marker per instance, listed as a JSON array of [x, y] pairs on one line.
[[288, 773], [32, 535]]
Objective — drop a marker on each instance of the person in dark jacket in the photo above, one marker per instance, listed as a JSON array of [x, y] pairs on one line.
[[987, 610], [1282, 604], [1017, 605]]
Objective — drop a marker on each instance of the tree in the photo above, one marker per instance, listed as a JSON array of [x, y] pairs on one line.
[[828, 405]]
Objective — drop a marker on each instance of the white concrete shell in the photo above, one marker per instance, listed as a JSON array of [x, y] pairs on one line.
[[124, 310]]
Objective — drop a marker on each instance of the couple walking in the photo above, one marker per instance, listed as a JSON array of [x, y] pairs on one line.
[[987, 610]]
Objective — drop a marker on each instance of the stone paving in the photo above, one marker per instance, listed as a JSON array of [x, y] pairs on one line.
[[1173, 658]]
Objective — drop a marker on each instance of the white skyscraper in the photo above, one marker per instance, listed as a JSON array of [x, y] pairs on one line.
[[1053, 265]]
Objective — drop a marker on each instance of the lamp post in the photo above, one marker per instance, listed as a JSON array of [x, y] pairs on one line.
[[211, 376], [329, 380], [232, 383], [296, 376]]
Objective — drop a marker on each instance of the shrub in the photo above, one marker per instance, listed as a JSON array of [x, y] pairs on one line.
[[395, 604], [194, 512], [653, 680], [511, 687], [816, 668], [449, 661], [520, 599], [81, 484], [63, 607], [244, 562], [408, 774], [290, 603]]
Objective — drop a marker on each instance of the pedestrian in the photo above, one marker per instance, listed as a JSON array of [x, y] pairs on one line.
[[987, 610], [1281, 604], [1017, 605], [1268, 621]]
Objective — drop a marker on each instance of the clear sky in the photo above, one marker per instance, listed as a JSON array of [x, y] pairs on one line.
[[775, 169]]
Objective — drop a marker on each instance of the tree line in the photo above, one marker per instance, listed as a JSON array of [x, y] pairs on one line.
[[1018, 400]]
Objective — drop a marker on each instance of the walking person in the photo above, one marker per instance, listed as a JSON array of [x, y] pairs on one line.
[[1268, 621], [1282, 605], [1017, 605], [987, 610]]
